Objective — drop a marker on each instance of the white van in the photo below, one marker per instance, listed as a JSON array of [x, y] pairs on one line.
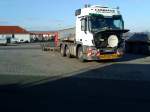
[[3, 41]]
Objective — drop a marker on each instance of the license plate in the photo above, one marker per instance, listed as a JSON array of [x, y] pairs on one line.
[[109, 56]]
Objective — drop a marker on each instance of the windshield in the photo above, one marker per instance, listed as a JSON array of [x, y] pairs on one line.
[[97, 23]]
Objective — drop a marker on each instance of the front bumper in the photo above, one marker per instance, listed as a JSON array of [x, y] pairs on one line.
[[103, 57], [109, 56], [91, 53]]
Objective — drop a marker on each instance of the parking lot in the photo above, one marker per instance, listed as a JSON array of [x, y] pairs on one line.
[[41, 79], [30, 60]]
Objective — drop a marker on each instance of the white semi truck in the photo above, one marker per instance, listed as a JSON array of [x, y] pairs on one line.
[[96, 36]]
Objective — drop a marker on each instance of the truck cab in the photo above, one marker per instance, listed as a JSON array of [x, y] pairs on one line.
[[98, 33]]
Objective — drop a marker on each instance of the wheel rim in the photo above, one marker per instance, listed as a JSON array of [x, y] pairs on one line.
[[80, 54]]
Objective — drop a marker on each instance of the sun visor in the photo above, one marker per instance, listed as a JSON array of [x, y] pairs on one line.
[[114, 31]]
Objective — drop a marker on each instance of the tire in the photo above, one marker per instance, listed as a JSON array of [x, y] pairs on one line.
[[128, 48], [80, 54], [62, 51], [135, 49], [145, 49], [68, 52], [148, 49]]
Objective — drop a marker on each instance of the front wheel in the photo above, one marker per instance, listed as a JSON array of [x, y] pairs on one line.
[[80, 54]]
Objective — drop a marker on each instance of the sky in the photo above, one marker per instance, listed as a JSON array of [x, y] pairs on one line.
[[49, 15]]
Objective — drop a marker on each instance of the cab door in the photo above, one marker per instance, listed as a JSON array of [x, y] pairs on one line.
[[81, 30]]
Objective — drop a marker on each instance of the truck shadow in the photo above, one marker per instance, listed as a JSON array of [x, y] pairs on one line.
[[114, 86], [130, 57], [126, 57]]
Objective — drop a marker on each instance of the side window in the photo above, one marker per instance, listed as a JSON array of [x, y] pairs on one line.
[[83, 24], [118, 24]]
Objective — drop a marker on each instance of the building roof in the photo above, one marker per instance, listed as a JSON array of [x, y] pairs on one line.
[[12, 30], [42, 32]]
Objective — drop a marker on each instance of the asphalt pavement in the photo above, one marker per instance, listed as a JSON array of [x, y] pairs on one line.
[[35, 81]]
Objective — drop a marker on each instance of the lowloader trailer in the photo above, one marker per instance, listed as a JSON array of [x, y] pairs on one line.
[[138, 43]]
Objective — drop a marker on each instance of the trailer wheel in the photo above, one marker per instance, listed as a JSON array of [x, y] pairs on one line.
[[68, 54], [62, 51], [148, 49], [135, 49], [145, 49], [80, 54], [127, 48]]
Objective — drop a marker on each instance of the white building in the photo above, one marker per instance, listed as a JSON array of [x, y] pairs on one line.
[[14, 34]]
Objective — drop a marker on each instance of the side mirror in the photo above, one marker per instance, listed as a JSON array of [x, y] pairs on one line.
[[123, 23], [77, 12]]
